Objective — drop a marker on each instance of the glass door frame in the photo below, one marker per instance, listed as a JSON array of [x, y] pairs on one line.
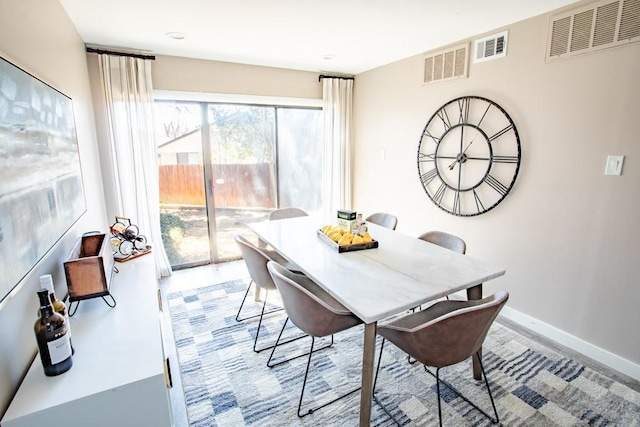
[[204, 100]]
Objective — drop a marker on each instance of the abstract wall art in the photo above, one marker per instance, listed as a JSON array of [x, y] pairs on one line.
[[41, 188]]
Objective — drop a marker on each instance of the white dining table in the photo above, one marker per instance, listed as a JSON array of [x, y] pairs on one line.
[[400, 274]]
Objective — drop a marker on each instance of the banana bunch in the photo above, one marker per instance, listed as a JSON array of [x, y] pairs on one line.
[[344, 237]]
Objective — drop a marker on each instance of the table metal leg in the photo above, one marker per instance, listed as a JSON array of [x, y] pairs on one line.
[[474, 293], [368, 356]]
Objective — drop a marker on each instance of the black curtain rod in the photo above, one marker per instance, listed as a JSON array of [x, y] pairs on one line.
[[110, 52], [325, 76]]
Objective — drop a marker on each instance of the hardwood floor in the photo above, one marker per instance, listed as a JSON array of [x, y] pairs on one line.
[[219, 273]]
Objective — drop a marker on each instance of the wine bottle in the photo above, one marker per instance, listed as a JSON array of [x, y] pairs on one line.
[[46, 282], [52, 338]]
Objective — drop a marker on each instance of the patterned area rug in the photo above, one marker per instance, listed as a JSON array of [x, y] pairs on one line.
[[227, 384]]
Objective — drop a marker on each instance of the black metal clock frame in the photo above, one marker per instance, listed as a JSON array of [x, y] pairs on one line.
[[462, 179]]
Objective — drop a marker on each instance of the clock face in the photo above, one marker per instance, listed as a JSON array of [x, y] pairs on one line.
[[469, 156]]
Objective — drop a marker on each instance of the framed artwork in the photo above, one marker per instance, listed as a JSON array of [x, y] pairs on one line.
[[41, 188]]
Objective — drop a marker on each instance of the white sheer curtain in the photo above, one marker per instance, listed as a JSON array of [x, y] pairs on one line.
[[337, 95], [127, 90]]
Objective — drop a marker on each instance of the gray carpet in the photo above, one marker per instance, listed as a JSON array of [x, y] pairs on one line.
[[227, 384]]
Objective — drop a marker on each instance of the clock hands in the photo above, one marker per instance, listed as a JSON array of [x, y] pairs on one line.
[[460, 156]]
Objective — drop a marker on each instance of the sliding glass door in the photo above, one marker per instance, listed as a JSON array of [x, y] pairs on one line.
[[248, 160]]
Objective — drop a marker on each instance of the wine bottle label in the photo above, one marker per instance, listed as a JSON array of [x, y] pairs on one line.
[[59, 349]]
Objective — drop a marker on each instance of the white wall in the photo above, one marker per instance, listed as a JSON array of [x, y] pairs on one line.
[[37, 36], [566, 234]]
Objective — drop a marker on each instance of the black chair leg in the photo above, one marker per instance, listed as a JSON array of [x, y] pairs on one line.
[[438, 390], [254, 316], [304, 384], [486, 381], [375, 380], [270, 365], [437, 376]]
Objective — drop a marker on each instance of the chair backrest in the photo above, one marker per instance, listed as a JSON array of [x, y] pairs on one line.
[[454, 334], [308, 306], [383, 219], [445, 240], [283, 213], [256, 261]]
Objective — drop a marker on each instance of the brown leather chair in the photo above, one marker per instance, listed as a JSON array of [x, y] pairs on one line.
[[312, 310], [447, 333], [383, 219], [283, 213], [256, 260], [445, 240]]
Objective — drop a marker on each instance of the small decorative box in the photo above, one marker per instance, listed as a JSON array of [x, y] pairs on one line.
[[346, 219]]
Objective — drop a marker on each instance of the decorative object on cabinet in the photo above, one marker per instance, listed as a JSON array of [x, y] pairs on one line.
[[469, 156], [89, 270], [127, 241], [41, 189]]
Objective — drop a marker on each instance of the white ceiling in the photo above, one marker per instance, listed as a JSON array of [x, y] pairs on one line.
[[296, 34]]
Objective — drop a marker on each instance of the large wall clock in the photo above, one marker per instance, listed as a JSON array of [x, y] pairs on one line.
[[469, 156]]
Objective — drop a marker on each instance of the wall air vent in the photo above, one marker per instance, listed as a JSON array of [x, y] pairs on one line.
[[600, 25], [492, 47], [451, 63]]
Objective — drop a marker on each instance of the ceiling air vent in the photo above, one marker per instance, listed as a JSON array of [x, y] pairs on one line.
[[601, 25], [451, 63], [492, 47]]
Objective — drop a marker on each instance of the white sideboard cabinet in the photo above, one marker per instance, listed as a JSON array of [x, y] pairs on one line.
[[119, 375]]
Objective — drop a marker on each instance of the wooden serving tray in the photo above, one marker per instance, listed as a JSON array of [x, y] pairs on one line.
[[346, 248]]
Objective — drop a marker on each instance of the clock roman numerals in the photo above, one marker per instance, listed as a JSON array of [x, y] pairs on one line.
[[438, 196], [444, 116], [435, 139], [496, 185], [479, 205], [427, 177], [463, 105], [456, 203], [426, 157], [505, 159], [500, 133]]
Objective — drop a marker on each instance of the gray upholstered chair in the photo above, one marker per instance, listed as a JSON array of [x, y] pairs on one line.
[[383, 219], [312, 310], [256, 260], [447, 333], [445, 240], [283, 213]]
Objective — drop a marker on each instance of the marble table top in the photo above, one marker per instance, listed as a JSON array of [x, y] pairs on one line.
[[401, 273]]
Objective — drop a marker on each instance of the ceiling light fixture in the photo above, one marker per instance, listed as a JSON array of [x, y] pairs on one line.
[[329, 56], [175, 35]]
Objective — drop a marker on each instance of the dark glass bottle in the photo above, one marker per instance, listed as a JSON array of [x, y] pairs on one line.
[[46, 282], [52, 337]]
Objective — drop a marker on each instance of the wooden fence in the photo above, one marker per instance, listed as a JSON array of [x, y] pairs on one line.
[[235, 185]]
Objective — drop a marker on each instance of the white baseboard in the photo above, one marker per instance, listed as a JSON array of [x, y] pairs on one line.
[[598, 354]]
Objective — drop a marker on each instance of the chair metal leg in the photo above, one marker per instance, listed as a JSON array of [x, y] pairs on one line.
[[304, 384], [254, 316], [438, 390], [437, 376], [288, 341], [375, 380]]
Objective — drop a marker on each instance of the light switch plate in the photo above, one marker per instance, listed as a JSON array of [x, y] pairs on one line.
[[614, 165]]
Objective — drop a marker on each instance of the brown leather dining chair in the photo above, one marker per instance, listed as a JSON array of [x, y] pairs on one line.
[[312, 310], [256, 260], [382, 219], [447, 333], [283, 213], [445, 240]]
